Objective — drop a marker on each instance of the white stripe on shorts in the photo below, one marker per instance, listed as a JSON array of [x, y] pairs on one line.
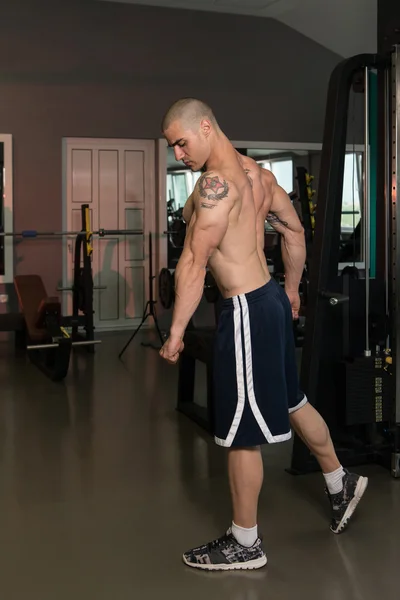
[[250, 385], [239, 377], [299, 405]]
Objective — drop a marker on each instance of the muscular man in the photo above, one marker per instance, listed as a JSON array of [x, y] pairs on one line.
[[255, 382]]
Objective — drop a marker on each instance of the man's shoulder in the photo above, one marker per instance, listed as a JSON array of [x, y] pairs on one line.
[[268, 177], [216, 185], [250, 164]]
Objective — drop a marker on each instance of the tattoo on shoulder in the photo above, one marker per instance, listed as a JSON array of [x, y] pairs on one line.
[[212, 188], [247, 171], [272, 218]]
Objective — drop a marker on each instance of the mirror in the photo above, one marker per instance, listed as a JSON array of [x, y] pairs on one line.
[[283, 160], [6, 209]]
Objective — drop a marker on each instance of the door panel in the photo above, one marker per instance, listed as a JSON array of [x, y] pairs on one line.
[[116, 177]]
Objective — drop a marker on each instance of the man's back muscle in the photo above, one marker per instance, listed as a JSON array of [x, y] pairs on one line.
[[235, 263]]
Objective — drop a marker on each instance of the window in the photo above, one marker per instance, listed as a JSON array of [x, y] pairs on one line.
[[180, 184], [352, 192], [176, 189], [283, 171], [192, 179]]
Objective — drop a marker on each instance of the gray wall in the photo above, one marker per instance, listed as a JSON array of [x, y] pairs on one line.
[[101, 69]]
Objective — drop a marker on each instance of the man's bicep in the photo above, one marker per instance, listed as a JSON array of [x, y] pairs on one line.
[[208, 232], [213, 204], [282, 215]]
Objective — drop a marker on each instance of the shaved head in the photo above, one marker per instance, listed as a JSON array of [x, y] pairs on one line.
[[191, 129], [189, 112]]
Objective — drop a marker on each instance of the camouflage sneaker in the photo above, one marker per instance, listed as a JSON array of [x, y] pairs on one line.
[[345, 502], [226, 554]]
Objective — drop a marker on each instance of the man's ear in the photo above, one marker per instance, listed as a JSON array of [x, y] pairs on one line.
[[206, 127]]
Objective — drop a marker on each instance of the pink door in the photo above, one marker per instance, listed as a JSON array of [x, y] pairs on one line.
[[116, 179]]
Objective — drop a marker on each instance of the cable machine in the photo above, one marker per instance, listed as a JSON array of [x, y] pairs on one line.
[[351, 352]]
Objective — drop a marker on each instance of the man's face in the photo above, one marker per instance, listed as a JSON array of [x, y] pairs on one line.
[[191, 147]]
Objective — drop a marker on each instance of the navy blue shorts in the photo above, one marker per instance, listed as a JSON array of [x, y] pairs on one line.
[[255, 372]]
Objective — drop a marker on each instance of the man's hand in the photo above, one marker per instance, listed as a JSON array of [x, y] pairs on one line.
[[294, 299], [172, 349]]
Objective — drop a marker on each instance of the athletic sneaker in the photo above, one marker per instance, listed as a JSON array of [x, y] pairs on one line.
[[225, 554], [345, 502]]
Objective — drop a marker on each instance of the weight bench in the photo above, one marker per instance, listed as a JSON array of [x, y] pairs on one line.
[[199, 346], [49, 345]]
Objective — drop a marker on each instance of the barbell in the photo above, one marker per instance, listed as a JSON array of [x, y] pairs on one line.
[[56, 345], [177, 233], [32, 233], [166, 288]]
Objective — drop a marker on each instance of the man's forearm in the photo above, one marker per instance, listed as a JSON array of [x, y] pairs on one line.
[[188, 293], [294, 258]]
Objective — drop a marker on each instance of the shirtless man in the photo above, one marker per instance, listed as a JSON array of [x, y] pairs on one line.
[[256, 392]]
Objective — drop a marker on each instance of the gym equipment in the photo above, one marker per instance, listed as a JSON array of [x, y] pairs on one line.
[[177, 233], [57, 344], [49, 344], [83, 287], [351, 354], [308, 207], [150, 308], [198, 347], [32, 233]]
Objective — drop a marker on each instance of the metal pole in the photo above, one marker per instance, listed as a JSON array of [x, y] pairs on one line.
[[55, 345], [70, 289], [32, 233], [387, 196], [367, 351], [395, 303]]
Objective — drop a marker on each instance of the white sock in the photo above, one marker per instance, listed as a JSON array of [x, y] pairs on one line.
[[245, 537], [334, 480]]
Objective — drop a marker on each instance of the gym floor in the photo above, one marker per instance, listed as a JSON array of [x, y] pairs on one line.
[[104, 484]]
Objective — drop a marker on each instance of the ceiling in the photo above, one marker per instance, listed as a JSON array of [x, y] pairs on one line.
[[346, 27]]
